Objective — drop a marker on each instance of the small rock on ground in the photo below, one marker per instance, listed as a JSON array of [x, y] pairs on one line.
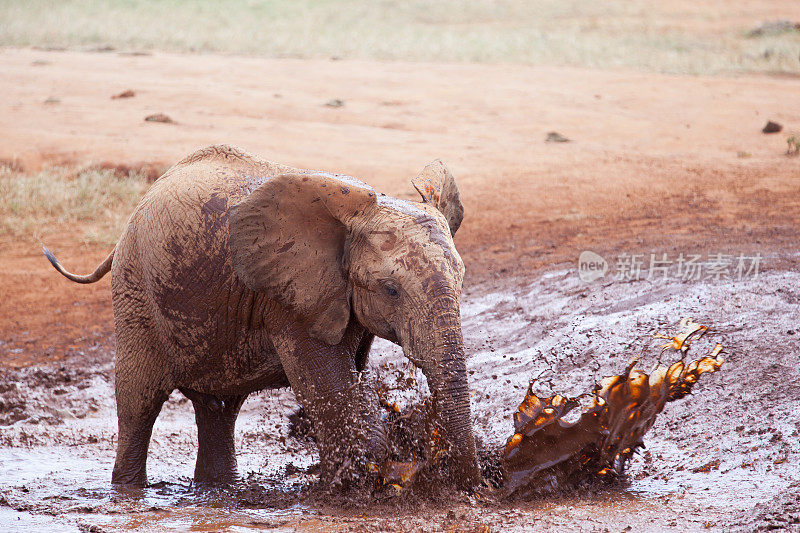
[[159, 117], [555, 137]]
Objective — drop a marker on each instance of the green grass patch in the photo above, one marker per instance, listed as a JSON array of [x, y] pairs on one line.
[[94, 203], [695, 38]]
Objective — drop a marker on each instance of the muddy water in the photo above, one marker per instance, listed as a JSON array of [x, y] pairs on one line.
[[724, 458]]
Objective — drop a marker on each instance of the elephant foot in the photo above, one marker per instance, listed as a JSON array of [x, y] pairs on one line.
[[216, 464], [134, 477], [211, 477]]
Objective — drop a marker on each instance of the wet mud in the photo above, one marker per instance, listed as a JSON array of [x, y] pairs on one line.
[[721, 459]]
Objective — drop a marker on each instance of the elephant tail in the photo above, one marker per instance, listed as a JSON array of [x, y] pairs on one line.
[[98, 273]]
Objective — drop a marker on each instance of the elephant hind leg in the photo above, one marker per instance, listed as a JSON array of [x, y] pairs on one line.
[[216, 420], [136, 415]]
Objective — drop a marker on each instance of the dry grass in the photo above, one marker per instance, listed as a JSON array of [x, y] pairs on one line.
[[671, 36], [94, 204]]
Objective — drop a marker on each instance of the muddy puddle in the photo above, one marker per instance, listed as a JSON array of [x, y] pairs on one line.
[[724, 458]]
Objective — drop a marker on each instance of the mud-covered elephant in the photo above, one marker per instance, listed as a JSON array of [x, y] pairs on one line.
[[235, 275]]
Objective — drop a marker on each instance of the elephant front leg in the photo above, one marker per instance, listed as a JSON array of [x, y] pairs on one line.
[[343, 409]]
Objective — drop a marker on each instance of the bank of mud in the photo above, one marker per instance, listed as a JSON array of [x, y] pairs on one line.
[[721, 459]]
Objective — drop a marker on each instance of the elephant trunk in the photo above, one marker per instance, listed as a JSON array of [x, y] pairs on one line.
[[444, 365]]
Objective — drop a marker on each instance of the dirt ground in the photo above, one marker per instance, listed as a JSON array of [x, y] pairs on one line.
[[655, 164]]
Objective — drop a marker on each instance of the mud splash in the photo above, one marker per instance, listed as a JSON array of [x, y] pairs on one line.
[[548, 450]]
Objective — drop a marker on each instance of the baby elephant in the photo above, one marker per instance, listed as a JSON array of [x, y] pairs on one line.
[[236, 274]]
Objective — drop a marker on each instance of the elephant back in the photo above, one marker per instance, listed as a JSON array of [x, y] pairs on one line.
[[175, 254]]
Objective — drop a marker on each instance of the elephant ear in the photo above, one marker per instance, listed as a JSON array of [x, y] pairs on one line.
[[288, 240], [438, 187]]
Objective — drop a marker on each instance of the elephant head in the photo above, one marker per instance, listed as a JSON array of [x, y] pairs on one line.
[[331, 250]]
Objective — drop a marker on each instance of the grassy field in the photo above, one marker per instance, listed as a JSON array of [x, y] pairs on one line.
[[94, 204], [671, 36]]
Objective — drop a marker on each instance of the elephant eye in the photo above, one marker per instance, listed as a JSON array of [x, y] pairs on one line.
[[391, 291]]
